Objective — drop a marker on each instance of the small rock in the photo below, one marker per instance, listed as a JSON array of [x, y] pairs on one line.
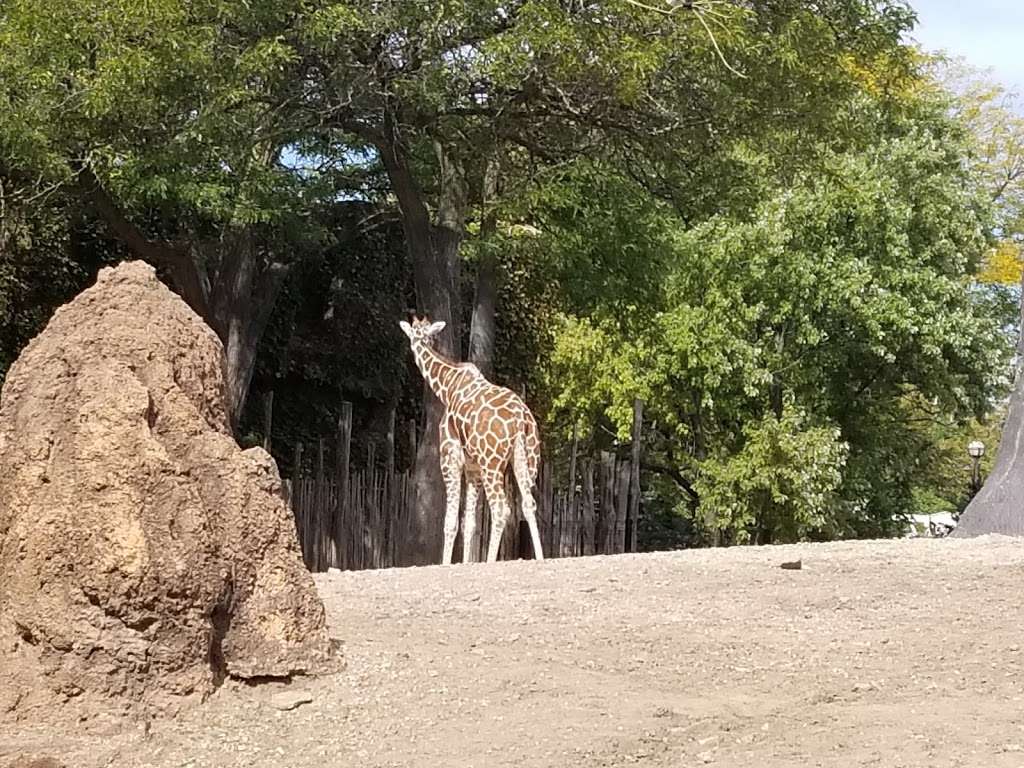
[[795, 565], [289, 700]]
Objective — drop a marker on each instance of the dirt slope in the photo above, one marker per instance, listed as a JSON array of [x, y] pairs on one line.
[[875, 653]]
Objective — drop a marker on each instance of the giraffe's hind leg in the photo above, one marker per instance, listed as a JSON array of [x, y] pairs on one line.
[[470, 533], [525, 480], [452, 461], [497, 502]]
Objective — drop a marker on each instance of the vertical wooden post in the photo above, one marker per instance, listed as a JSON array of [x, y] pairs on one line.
[[570, 517], [317, 529], [268, 419], [298, 501], [389, 445], [387, 493], [410, 434], [606, 511], [297, 463], [633, 520], [342, 515], [408, 497], [547, 510], [622, 472], [587, 505], [371, 453]]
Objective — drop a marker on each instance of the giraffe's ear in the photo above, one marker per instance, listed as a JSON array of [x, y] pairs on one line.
[[435, 328], [405, 327]]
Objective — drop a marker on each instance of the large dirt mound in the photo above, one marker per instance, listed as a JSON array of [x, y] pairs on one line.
[[143, 555]]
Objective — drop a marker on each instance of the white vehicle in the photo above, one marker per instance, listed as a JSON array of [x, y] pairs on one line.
[[931, 526]]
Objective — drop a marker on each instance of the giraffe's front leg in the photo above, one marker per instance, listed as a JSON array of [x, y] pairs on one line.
[[452, 461]]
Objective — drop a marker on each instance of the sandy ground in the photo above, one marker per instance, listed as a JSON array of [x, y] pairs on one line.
[[874, 653]]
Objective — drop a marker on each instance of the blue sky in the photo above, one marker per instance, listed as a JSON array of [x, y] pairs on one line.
[[987, 33]]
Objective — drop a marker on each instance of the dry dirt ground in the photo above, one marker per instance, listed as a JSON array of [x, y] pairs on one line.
[[887, 654]]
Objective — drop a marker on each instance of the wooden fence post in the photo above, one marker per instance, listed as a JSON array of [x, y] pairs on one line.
[[547, 509], [606, 512], [389, 445], [622, 471], [317, 529], [570, 495], [298, 501], [268, 419], [410, 435], [587, 509], [633, 520], [342, 513]]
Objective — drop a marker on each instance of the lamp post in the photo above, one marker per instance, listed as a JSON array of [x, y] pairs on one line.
[[975, 449]]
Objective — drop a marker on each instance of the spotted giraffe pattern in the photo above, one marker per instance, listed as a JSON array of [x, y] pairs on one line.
[[484, 428]]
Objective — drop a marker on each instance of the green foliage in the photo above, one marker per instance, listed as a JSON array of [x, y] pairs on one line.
[[178, 106], [779, 487], [48, 253], [793, 345]]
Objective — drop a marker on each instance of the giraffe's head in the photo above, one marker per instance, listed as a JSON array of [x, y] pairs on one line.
[[421, 329]]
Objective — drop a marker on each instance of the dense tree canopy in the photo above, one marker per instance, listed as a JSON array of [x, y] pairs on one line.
[[774, 221]]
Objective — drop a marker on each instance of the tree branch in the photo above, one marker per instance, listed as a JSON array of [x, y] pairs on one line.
[[177, 258], [676, 475]]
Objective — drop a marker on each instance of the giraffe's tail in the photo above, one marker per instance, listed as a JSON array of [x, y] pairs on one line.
[[525, 461], [527, 445]]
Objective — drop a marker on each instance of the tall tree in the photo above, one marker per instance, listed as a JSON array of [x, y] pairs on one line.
[[790, 344], [169, 117], [451, 95]]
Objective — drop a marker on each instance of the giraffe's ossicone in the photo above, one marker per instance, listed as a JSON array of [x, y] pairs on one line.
[[484, 427]]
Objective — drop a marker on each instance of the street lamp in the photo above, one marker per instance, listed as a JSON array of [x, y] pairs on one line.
[[975, 449]]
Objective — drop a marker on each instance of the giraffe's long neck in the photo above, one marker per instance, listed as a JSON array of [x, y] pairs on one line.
[[442, 375]]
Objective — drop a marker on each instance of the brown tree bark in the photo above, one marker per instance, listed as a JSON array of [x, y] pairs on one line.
[[434, 252], [483, 329], [236, 299]]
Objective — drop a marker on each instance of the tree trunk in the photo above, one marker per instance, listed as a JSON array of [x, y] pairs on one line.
[[999, 506], [236, 300], [775, 388], [434, 253], [483, 330], [243, 291]]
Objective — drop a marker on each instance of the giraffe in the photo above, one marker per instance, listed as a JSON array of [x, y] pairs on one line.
[[483, 428]]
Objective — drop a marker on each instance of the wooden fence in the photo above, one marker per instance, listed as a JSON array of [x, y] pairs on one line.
[[353, 519]]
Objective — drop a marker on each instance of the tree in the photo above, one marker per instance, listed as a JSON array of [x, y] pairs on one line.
[[48, 253], [169, 118], [463, 102], [789, 347]]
